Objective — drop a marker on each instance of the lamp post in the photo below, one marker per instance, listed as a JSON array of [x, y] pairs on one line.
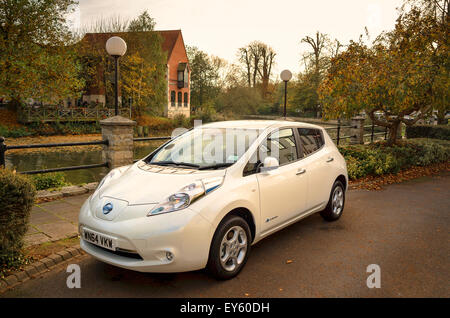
[[285, 76], [116, 47]]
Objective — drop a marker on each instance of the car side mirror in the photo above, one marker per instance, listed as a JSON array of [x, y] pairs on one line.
[[270, 163]]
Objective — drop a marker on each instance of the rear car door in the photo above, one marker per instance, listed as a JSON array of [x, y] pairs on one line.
[[317, 163]]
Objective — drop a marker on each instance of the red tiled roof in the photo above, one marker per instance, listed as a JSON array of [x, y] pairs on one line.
[[169, 39]]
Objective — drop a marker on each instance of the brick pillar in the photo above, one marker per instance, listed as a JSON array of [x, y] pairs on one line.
[[119, 133], [357, 133]]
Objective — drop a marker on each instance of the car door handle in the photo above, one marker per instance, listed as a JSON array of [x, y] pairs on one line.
[[330, 159], [300, 171]]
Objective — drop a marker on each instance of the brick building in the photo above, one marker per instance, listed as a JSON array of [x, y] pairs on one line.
[[177, 72]]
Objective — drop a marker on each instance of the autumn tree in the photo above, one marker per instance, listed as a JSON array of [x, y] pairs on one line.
[[144, 68], [257, 59], [206, 80], [316, 61], [403, 75], [37, 58], [239, 100], [437, 10], [305, 98], [142, 75], [143, 23]]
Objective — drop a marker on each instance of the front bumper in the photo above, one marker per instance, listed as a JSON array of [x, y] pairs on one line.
[[185, 234]]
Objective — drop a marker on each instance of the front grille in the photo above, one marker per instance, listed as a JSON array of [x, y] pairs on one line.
[[123, 253]]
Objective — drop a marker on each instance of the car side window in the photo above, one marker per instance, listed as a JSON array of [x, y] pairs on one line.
[[252, 165], [279, 144], [311, 140]]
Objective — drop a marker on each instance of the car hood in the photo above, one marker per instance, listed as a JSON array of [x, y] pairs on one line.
[[150, 184]]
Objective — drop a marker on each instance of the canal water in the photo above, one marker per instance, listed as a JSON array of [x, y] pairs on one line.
[[26, 161]]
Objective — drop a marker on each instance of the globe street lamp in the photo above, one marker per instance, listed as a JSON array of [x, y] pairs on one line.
[[116, 47], [285, 76]]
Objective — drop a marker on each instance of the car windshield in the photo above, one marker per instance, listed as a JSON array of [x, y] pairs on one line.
[[206, 148]]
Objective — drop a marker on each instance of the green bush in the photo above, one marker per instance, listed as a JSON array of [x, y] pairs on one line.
[[180, 120], [378, 159], [17, 197], [429, 131], [14, 132], [49, 180]]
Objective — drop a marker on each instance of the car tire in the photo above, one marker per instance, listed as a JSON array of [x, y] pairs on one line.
[[335, 206], [230, 248]]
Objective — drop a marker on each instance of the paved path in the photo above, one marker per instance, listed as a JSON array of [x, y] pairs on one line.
[[52, 221], [404, 229]]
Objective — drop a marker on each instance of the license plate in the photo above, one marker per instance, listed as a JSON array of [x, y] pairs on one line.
[[99, 239]]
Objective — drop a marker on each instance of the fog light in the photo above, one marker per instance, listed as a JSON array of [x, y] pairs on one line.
[[169, 256]]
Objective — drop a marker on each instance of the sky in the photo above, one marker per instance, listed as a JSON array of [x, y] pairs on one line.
[[221, 27]]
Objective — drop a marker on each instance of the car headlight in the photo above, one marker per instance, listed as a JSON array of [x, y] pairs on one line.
[[187, 195]]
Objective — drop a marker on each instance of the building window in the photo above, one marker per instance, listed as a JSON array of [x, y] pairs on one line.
[[172, 98], [185, 99], [182, 75], [180, 101]]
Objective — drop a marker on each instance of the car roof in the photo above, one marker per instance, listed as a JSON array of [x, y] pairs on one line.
[[257, 124]]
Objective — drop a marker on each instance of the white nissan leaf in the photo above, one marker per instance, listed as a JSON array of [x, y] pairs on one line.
[[206, 196]]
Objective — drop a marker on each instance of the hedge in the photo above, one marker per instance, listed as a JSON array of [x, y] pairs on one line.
[[377, 159], [49, 180], [428, 131], [17, 197]]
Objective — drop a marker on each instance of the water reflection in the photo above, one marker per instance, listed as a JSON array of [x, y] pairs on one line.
[[26, 161]]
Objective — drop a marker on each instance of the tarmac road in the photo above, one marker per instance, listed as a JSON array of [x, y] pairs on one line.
[[404, 229]]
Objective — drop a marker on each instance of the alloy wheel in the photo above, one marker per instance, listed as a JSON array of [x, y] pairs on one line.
[[337, 200], [233, 248]]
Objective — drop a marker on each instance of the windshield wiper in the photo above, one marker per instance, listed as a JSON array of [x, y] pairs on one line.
[[168, 163], [217, 166]]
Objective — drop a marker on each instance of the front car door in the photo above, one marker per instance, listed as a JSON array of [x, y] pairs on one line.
[[283, 190]]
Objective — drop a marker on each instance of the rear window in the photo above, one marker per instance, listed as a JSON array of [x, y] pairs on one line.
[[311, 140]]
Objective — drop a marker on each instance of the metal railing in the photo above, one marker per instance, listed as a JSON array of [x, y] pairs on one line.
[[373, 134], [4, 148], [338, 128], [52, 114], [151, 138]]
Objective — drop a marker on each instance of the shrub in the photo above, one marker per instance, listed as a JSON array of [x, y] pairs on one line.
[[49, 180], [378, 159], [428, 131], [14, 132], [180, 121], [17, 197], [155, 123]]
